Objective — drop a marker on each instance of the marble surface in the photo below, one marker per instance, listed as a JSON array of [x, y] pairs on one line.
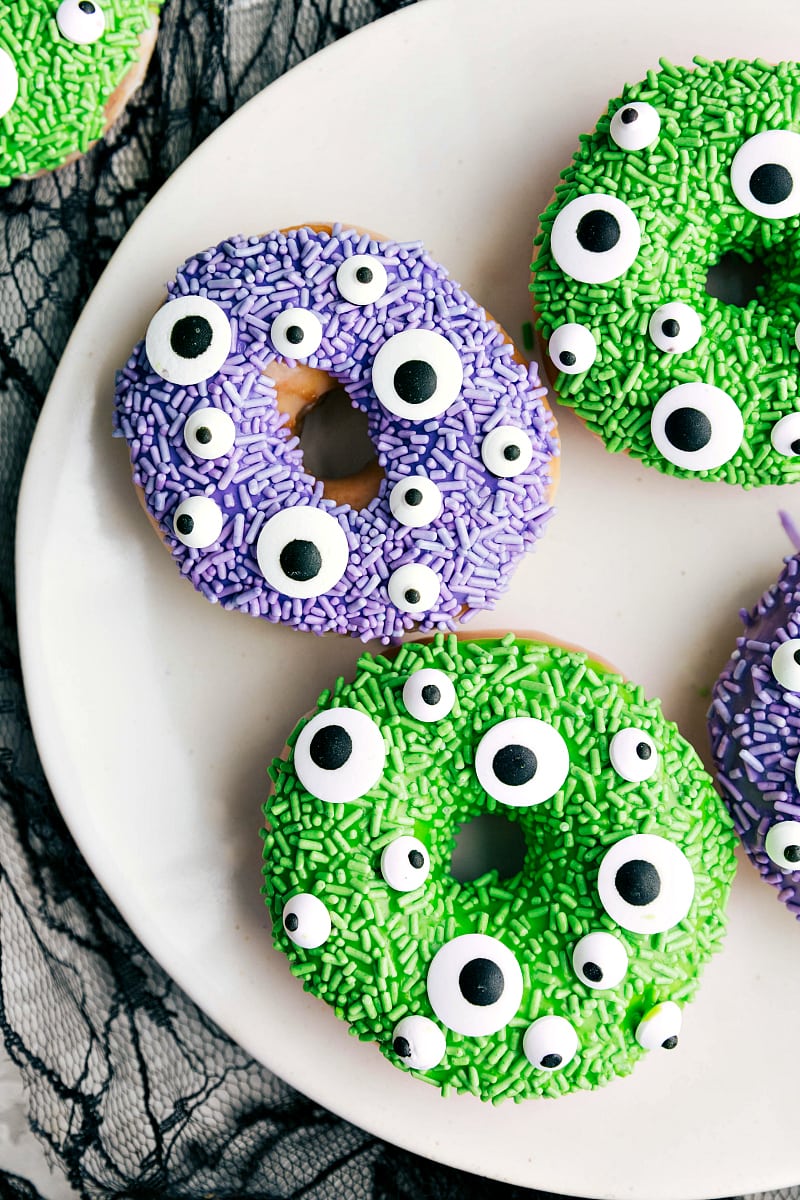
[[20, 1152]]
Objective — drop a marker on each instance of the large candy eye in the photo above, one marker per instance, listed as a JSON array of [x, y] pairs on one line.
[[307, 921], [415, 501], [296, 333], [572, 348], [429, 695], [209, 433], [405, 864], [785, 435], [80, 21], [660, 1027], [506, 451], [675, 327], [419, 1043], [782, 844], [786, 665], [600, 960], [188, 340], [697, 426], [595, 238], [414, 588], [417, 374], [197, 522], [9, 82], [635, 126], [765, 174], [339, 755], [645, 883], [362, 279], [522, 761], [633, 755], [474, 984], [550, 1043], [302, 551]]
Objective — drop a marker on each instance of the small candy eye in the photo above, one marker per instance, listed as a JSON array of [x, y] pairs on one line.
[[405, 864], [419, 1043], [782, 844], [9, 82], [645, 883], [429, 695], [417, 374], [660, 1027], [302, 551], [209, 433], [675, 327], [307, 921], [785, 435], [362, 279], [415, 501], [550, 1043], [296, 333], [80, 21], [633, 755], [339, 755], [572, 348], [506, 451], [197, 522], [414, 588], [697, 426], [595, 238], [600, 960], [522, 761], [765, 174], [188, 340], [786, 665], [635, 126], [474, 985]]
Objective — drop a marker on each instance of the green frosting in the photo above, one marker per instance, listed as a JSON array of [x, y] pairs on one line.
[[373, 967]]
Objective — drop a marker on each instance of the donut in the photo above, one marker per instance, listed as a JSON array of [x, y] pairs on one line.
[[557, 978], [258, 331], [689, 182], [66, 72]]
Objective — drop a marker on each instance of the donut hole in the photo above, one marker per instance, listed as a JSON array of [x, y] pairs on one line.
[[736, 280], [490, 842]]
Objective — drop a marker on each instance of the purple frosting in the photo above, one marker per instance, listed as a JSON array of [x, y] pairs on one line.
[[486, 523]]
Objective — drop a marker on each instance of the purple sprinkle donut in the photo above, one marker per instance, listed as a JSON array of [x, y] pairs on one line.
[[463, 438]]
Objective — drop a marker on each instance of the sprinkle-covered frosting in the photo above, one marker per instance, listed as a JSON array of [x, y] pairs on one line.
[[536, 984], [460, 428], [686, 170]]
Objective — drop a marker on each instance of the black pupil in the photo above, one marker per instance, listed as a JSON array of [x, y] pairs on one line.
[[300, 560], [412, 596], [792, 853], [511, 453], [514, 765], [771, 183], [331, 747], [638, 882], [415, 381], [796, 657], [481, 982], [567, 358], [184, 524], [643, 751], [416, 859], [551, 1061], [670, 328], [291, 922], [598, 231], [203, 435], [688, 429], [86, 6], [628, 116], [364, 275], [413, 497], [191, 336], [669, 1043], [796, 446], [592, 972], [431, 694], [401, 1047], [294, 335]]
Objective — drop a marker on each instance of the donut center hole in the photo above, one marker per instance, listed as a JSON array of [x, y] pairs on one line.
[[489, 842], [736, 280], [334, 437]]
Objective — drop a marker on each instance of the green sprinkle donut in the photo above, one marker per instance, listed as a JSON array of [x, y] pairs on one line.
[[690, 171], [560, 977]]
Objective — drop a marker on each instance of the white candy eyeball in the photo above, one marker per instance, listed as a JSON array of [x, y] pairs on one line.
[[633, 755], [645, 883], [522, 761], [675, 327], [417, 374], [572, 348], [595, 238], [660, 1027], [786, 665], [785, 435], [697, 426], [474, 985], [414, 588], [296, 333], [188, 340], [9, 82], [307, 921], [405, 864], [797, 771], [765, 174], [429, 695], [302, 551], [782, 844], [635, 126], [415, 501], [550, 1043], [209, 433], [506, 451], [80, 21], [362, 279], [339, 755], [600, 960], [197, 522], [419, 1043]]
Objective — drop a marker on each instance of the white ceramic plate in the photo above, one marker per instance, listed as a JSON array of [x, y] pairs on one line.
[[156, 714]]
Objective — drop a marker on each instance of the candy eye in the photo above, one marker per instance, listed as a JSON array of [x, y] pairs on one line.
[[697, 426], [782, 844], [550, 1043], [429, 695], [9, 82], [296, 333], [506, 451], [765, 174], [417, 374], [522, 761], [197, 522], [188, 340], [339, 755], [600, 960], [660, 1027], [302, 551], [80, 21], [307, 921], [635, 126], [645, 883], [633, 755], [415, 501], [572, 348], [786, 665], [362, 279], [419, 1043], [405, 864], [414, 588], [675, 327], [785, 435], [474, 984], [595, 238], [209, 433]]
